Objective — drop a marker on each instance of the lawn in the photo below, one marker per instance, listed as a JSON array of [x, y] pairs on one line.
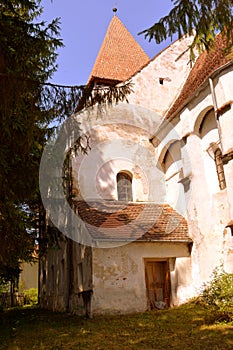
[[189, 326]]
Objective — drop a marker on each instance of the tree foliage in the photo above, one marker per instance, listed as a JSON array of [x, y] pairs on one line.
[[27, 60], [28, 105], [205, 17]]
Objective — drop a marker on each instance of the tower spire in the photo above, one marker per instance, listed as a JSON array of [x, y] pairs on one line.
[[119, 57]]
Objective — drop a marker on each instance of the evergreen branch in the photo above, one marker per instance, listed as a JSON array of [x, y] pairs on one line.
[[63, 100], [203, 19]]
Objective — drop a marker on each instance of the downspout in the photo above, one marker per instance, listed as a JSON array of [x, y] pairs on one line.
[[214, 99]]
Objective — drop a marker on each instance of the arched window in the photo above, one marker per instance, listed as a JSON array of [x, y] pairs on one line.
[[124, 186], [208, 123], [220, 169], [172, 158]]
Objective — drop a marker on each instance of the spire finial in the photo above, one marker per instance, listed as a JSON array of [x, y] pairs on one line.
[[115, 9]]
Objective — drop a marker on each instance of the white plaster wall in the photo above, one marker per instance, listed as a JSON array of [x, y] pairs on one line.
[[223, 85], [119, 275], [175, 194], [182, 289], [210, 172], [173, 165], [170, 65], [228, 250], [228, 168], [119, 141], [209, 209], [226, 122], [223, 90], [199, 207]]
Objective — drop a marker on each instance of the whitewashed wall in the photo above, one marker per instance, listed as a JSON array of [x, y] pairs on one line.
[[119, 140], [172, 66], [119, 275], [208, 209]]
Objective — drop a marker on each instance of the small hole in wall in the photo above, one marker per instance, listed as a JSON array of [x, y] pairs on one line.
[[161, 80]]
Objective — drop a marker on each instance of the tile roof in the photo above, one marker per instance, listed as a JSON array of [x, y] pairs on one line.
[[206, 64], [120, 55], [131, 221]]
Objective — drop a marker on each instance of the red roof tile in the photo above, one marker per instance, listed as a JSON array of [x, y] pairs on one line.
[[114, 220], [120, 55], [206, 64]]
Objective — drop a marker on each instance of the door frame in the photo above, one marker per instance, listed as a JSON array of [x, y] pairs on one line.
[[167, 299]]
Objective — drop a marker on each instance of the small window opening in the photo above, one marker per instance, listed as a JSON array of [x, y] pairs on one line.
[[124, 186], [161, 80], [220, 169]]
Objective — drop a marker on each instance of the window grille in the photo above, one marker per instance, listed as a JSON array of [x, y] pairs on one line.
[[124, 186]]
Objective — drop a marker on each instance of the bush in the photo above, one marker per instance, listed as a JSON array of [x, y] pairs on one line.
[[219, 294], [4, 287], [31, 296]]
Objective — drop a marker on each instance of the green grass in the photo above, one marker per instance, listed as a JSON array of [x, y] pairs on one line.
[[189, 326]]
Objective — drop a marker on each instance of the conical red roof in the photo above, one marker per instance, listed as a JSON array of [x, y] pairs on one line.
[[120, 55]]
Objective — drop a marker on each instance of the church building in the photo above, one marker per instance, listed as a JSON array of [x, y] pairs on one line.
[[152, 195]]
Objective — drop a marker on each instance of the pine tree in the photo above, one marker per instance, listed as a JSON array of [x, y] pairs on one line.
[[204, 18], [27, 60], [28, 105]]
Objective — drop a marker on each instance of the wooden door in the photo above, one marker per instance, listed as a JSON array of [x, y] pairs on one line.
[[157, 284]]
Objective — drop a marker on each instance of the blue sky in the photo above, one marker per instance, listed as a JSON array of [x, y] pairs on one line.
[[84, 24]]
